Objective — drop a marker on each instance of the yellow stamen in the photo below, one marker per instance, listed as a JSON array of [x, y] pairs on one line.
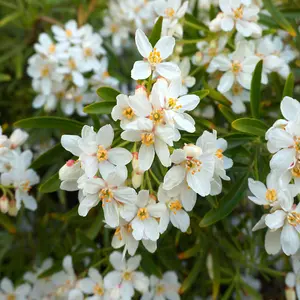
[[45, 71], [68, 33], [114, 28], [296, 170], [98, 290], [172, 102], [236, 67], [160, 289], [128, 113], [11, 297], [105, 74], [118, 233], [147, 138], [127, 276], [26, 186], [271, 195], [78, 98], [154, 57], [193, 165], [239, 12], [72, 64], [157, 116], [236, 89], [170, 12], [175, 206], [294, 218], [142, 213], [105, 195], [88, 52], [219, 153], [52, 49], [102, 154]]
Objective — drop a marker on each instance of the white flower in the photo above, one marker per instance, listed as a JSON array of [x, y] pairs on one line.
[[7, 290], [284, 225], [192, 166], [174, 212], [210, 144], [237, 14], [186, 80], [171, 9], [125, 275], [110, 191], [70, 34], [18, 138], [154, 58], [238, 66], [94, 150], [166, 288], [144, 214], [22, 179], [69, 174], [93, 285]]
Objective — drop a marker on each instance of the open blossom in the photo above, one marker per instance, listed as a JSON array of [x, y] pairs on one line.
[[125, 275], [110, 191], [7, 290], [238, 67], [144, 213], [237, 14], [94, 149], [70, 34], [194, 167], [166, 288], [174, 212], [154, 58]]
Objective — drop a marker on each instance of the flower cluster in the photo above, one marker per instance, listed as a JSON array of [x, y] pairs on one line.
[[17, 178], [121, 283], [152, 119], [232, 71], [67, 68], [283, 219]]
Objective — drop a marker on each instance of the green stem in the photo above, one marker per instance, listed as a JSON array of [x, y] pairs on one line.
[[149, 184], [154, 177]]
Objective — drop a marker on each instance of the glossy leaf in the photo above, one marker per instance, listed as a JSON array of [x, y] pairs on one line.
[[227, 113], [251, 126], [217, 96], [66, 125], [100, 108], [201, 93], [289, 86], [255, 93], [107, 93], [50, 185], [156, 32], [227, 203], [278, 17], [191, 21]]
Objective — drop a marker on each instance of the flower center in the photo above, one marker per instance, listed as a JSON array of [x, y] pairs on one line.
[[72, 64], [114, 28], [160, 289], [212, 51], [236, 67], [147, 138], [293, 218], [105, 74], [118, 233], [88, 51], [105, 195], [271, 195], [127, 276], [157, 116], [175, 206], [219, 153], [26, 186], [199, 57], [142, 213], [236, 89], [52, 48], [172, 102], [297, 144], [98, 290], [68, 33], [45, 71], [154, 57], [128, 113], [78, 99], [193, 165], [102, 153], [239, 12], [11, 297], [170, 12], [296, 170]]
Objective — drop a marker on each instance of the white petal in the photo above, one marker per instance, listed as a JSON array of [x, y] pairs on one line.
[[173, 177], [272, 242], [70, 143], [140, 70], [165, 46], [105, 136], [142, 43], [146, 157], [289, 240]]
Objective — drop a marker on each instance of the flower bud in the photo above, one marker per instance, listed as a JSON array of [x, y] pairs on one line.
[[70, 171], [140, 90], [12, 209], [192, 150], [290, 294], [137, 179], [18, 138], [4, 206]]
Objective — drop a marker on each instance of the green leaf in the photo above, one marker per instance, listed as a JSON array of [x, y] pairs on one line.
[[191, 21], [251, 126], [93, 231], [83, 239], [214, 94], [255, 93], [201, 93], [227, 113], [7, 223], [66, 125], [289, 86], [156, 32], [51, 185], [227, 203], [103, 107], [108, 94], [237, 139], [48, 157], [4, 77], [9, 18], [279, 18]]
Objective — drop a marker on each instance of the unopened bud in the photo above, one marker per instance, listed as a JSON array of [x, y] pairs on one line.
[[70, 171], [192, 150], [18, 137], [140, 90], [137, 179], [4, 204], [290, 294], [209, 265], [12, 209]]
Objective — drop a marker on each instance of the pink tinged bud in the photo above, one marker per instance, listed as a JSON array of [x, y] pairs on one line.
[[12, 210], [137, 179], [140, 90], [4, 204], [192, 151], [290, 294], [70, 162]]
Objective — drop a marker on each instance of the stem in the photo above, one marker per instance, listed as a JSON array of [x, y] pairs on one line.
[[149, 184], [154, 177]]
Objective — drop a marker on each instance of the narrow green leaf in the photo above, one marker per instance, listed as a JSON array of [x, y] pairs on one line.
[[227, 203], [4, 77], [215, 95], [227, 113], [156, 32], [255, 93], [93, 231], [237, 139], [9, 18], [48, 157], [107, 93], [251, 126], [83, 239], [103, 107], [51, 185], [7, 223], [279, 18], [289, 86], [201, 93], [66, 125], [191, 21]]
